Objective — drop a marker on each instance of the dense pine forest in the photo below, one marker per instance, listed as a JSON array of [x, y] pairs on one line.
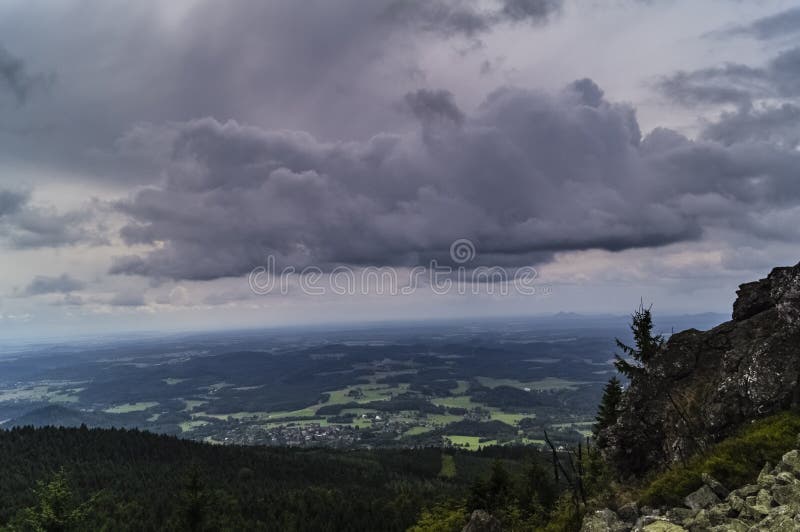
[[108, 479]]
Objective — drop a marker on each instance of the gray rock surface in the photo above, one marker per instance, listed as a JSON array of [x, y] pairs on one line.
[[604, 521], [702, 498]]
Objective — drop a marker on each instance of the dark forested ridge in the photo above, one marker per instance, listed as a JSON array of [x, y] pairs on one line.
[[134, 480]]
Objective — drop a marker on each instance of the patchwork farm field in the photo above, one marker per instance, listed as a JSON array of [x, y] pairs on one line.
[[460, 384]]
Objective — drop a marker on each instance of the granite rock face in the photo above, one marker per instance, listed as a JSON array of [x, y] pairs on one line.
[[703, 385], [773, 504]]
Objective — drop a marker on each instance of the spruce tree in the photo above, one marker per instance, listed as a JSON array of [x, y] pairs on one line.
[[646, 345], [608, 410]]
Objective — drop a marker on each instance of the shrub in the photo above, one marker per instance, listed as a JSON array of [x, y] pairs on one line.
[[734, 461]]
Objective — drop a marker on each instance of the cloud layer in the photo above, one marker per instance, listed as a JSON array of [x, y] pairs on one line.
[[27, 225], [527, 175], [17, 79]]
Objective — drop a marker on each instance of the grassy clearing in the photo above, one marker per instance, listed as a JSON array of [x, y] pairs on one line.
[[546, 384], [458, 401], [131, 407], [529, 441], [64, 397], [309, 412], [734, 461], [192, 404], [369, 393], [509, 419], [218, 386], [442, 419], [496, 414], [461, 389], [448, 466], [188, 426], [472, 443], [415, 431]]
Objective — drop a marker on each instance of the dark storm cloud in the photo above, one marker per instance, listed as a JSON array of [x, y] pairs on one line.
[[330, 68], [768, 123], [591, 94], [16, 78], [317, 65], [771, 27], [736, 83], [447, 17], [24, 225], [465, 17], [527, 175], [731, 83], [37, 227], [430, 106], [531, 10], [63, 284], [11, 201]]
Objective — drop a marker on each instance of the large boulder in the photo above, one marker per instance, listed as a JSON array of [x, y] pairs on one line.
[[603, 521], [701, 499]]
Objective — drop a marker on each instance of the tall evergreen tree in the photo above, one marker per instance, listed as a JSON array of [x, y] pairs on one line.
[[646, 345], [493, 493], [608, 410], [56, 510]]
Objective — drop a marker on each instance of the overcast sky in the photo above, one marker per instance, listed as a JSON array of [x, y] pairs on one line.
[[152, 154]]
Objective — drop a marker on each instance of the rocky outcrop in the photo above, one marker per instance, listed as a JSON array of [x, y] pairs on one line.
[[702, 385], [772, 503]]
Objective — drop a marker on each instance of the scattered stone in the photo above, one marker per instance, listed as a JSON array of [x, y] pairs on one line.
[[715, 486], [785, 477], [736, 502], [663, 526], [628, 512], [644, 521], [787, 495], [772, 505], [679, 515], [719, 513], [766, 478], [734, 525], [746, 491], [601, 521], [702, 498], [699, 522], [791, 462]]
